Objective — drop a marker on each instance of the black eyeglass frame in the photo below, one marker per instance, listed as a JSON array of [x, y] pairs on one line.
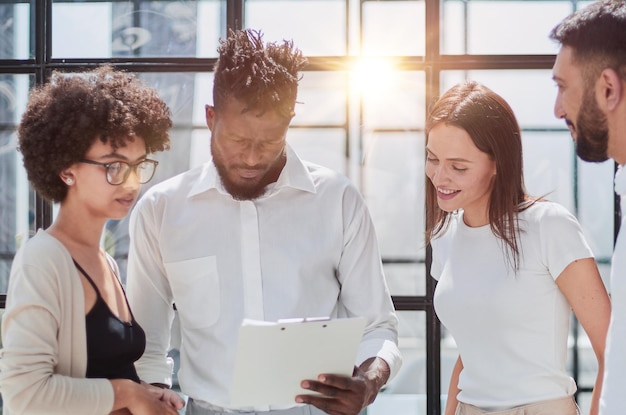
[[131, 167]]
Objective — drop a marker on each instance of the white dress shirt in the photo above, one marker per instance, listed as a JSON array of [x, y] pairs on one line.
[[613, 397], [307, 248]]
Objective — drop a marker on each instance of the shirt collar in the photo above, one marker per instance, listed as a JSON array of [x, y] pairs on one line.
[[294, 175]]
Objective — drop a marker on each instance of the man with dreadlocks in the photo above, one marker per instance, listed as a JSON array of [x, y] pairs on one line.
[[257, 233]]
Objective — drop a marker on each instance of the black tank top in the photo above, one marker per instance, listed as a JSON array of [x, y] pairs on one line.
[[112, 344]]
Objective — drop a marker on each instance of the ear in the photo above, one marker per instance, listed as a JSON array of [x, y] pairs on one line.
[[611, 90], [67, 179], [209, 113], [67, 176]]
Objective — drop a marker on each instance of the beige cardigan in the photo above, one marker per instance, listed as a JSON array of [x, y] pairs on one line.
[[44, 356]]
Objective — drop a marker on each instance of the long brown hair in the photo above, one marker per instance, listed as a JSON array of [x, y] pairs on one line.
[[492, 126]]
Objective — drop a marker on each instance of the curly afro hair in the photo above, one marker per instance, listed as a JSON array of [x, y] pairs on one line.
[[64, 118], [264, 77]]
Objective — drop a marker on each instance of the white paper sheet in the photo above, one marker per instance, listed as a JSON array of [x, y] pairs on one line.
[[273, 358]]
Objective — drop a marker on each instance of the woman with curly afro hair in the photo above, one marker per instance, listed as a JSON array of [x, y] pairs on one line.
[[69, 337]]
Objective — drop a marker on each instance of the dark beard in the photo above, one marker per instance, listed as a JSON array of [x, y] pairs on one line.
[[237, 191], [246, 191], [592, 137]]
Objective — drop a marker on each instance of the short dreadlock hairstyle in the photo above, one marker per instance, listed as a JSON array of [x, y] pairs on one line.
[[264, 77], [64, 117]]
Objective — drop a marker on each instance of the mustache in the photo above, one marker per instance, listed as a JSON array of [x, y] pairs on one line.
[[246, 167]]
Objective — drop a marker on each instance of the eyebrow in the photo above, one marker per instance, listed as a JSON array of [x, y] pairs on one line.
[[456, 159], [120, 156]]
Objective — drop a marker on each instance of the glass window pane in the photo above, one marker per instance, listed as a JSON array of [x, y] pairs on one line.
[[322, 99], [317, 27], [391, 176], [186, 28], [326, 147], [200, 148], [406, 279], [407, 34], [531, 93], [406, 393], [595, 204], [14, 31], [391, 99], [584, 402], [549, 167], [500, 27], [449, 355], [393, 187], [16, 198]]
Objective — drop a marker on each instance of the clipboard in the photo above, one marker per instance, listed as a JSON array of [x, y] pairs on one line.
[[274, 357]]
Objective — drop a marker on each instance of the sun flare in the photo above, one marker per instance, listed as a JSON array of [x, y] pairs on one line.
[[371, 76]]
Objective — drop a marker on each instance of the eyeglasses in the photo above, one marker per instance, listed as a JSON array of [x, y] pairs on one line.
[[117, 172]]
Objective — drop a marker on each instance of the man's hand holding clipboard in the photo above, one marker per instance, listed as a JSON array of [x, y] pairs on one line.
[[305, 361]]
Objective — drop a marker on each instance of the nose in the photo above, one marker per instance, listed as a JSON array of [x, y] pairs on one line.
[[436, 174], [133, 179], [559, 112], [252, 155]]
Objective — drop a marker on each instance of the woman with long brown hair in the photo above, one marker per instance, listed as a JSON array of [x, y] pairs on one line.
[[510, 267]]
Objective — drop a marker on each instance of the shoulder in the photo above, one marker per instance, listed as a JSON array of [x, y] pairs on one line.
[[553, 226], [326, 178], [547, 214], [182, 182], [41, 250], [448, 232], [41, 268]]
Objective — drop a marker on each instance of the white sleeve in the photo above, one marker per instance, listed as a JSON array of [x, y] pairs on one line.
[[613, 398], [562, 240], [364, 291], [149, 293]]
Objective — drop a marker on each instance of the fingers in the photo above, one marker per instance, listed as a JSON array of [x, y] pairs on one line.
[[173, 399], [337, 395], [167, 396], [329, 406], [328, 386]]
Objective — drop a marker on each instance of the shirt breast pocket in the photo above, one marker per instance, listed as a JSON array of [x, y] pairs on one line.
[[196, 289]]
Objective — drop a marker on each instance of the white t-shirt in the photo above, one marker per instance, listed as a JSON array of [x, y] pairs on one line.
[[510, 328]]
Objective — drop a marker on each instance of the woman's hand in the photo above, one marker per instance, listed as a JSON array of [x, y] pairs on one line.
[[167, 396], [139, 399]]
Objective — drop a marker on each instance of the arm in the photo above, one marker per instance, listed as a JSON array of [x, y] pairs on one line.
[[453, 389], [582, 285], [149, 295], [364, 293], [364, 290]]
